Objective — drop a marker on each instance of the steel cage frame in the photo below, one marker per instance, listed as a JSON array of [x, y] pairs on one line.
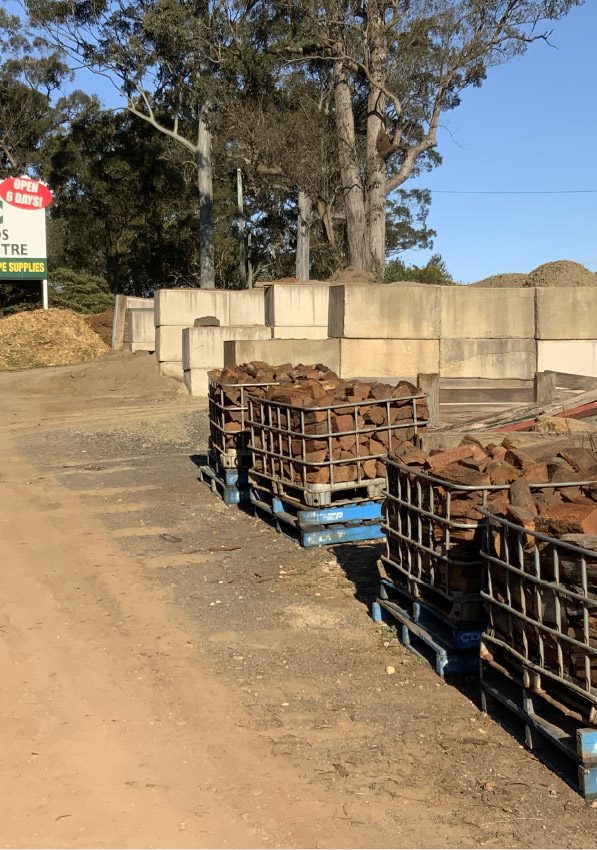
[[282, 430], [519, 548]]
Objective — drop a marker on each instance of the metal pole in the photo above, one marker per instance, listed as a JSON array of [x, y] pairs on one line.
[[44, 293]]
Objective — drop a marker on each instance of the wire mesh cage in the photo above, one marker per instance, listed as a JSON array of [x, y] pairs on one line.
[[434, 531], [541, 598], [334, 448], [228, 429]]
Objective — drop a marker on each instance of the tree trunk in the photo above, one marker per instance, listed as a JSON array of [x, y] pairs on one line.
[[352, 185], [303, 227], [206, 211], [376, 165]]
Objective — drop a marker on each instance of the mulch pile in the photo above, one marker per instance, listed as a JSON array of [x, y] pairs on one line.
[[558, 273], [47, 338]]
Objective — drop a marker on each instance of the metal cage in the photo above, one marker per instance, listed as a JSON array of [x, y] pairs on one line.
[[227, 404], [541, 598], [316, 451]]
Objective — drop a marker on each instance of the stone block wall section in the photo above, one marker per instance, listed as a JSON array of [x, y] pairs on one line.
[[298, 305], [122, 305], [139, 330], [203, 350], [481, 333], [276, 351], [385, 311], [176, 309]]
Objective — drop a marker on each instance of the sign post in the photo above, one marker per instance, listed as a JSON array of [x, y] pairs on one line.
[[23, 253]]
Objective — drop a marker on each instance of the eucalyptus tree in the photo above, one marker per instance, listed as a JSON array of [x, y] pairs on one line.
[[166, 58], [397, 66]]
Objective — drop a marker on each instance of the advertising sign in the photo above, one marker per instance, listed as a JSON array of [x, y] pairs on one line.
[[23, 229]]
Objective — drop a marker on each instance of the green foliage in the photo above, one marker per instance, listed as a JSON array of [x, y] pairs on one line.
[[434, 272], [16, 296], [83, 293]]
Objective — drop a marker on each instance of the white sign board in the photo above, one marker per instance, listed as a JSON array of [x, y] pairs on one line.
[[23, 230]]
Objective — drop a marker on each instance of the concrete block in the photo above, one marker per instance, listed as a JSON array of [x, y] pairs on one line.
[[573, 357], [203, 348], [168, 343], [313, 332], [567, 313], [275, 351], [139, 327], [135, 303], [470, 313], [388, 358], [385, 311], [246, 307], [300, 304], [172, 370], [196, 381], [139, 346], [182, 306], [488, 358]]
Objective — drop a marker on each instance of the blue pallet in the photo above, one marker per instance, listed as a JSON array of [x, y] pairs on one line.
[[321, 527], [231, 494], [557, 740], [444, 659], [230, 477], [453, 635]]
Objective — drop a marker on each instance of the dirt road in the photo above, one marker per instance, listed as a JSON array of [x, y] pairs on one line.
[[175, 674]]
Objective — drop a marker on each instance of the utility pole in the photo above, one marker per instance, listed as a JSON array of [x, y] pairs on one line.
[[303, 227], [245, 284]]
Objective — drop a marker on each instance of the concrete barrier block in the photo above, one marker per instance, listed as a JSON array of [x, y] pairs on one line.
[[182, 306], [388, 358], [246, 307], [196, 381], [276, 351], [301, 304], [172, 370], [203, 348], [139, 327], [313, 332], [385, 311], [488, 358], [574, 357], [168, 343], [471, 313], [567, 313]]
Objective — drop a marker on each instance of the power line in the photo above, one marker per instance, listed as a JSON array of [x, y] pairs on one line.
[[513, 192]]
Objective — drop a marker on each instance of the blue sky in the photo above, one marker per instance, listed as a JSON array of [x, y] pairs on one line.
[[531, 126]]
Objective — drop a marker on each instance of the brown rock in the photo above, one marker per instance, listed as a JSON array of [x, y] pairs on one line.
[[381, 391], [440, 460], [501, 472], [569, 518]]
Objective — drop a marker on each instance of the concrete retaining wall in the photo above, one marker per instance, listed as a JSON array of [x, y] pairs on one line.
[[314, 332], [203, 348], [139, 330], [379, 358], [277, 351], [385, 311], [302, 304], [569, 313], [487, 358], [123, 303], [576, 357], [471, 313]]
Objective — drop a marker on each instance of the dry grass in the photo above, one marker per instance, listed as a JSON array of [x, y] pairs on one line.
[[47, 338]]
